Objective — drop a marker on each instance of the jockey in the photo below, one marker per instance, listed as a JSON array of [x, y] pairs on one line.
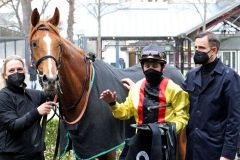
[[153, 90], [168, 101]]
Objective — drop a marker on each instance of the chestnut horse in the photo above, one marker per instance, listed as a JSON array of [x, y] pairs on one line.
[[65, 70]]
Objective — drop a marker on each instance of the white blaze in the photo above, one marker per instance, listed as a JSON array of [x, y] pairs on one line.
[[48, 42]]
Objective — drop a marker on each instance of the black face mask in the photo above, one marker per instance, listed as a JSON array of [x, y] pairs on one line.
[[16, 79], [153, 77], [201, 57]]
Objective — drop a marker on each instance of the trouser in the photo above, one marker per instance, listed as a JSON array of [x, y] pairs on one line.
[[15, 156]]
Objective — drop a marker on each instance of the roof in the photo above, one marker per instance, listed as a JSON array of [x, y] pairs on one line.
[[10, 35], [231, 43], [156, 19]]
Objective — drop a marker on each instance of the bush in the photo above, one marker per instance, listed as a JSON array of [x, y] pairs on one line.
[[50, 140]]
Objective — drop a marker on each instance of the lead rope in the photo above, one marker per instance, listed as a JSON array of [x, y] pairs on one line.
[[57, 141], [44, 124], [58, 132]]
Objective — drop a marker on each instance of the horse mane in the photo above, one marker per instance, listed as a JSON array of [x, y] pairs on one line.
[[70, 46]]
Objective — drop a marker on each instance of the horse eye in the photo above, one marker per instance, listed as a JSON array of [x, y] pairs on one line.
[[34, 44]]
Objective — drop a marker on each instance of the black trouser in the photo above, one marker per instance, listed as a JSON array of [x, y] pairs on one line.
[[14, 156]]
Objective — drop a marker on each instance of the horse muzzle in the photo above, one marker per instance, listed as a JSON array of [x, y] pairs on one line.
[[49, 83]]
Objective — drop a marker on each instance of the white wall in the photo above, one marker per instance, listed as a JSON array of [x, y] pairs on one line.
[[109, 56], [110, 51]]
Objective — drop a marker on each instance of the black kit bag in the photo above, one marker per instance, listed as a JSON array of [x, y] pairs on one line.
[[153, 142]]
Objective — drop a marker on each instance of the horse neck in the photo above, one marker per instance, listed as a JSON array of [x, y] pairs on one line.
[[72, 72]]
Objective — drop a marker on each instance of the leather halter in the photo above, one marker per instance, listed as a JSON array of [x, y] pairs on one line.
[[38, 62]]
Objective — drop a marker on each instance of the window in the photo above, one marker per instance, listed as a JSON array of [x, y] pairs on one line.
[[226, 58], [2, 50], [171, 59]]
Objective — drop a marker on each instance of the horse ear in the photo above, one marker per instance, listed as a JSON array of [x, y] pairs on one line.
[[35, 17], [55, 19]]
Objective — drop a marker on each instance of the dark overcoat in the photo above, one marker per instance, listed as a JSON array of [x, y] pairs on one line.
[[214, 121]]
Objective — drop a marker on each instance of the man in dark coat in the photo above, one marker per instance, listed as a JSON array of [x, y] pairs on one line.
[[214, 91], [32, 75]]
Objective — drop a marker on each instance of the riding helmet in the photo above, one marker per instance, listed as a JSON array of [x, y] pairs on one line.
[[153, 52]]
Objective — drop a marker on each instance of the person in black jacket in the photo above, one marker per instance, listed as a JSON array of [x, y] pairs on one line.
[[214, 91], [21, 111]]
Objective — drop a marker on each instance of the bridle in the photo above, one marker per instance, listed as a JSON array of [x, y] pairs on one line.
[[39, 61], [58, 64]]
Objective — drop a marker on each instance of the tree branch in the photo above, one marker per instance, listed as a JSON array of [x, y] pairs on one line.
[[44, 6], [4, 3]]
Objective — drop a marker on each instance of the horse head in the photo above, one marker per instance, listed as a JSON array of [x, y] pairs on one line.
[[45, 44], [63, 68]]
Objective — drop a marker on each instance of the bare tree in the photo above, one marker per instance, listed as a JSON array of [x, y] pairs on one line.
[[44, 6], [4, 2], [15, 6], [204, 17], [24, 19], [70, 19], [26, 12], [194, 2], [98, 10]]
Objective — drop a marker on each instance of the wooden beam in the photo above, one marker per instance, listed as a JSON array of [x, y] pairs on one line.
[[224, 17]]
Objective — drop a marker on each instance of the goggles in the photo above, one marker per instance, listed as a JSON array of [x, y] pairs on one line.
[[148, 53]]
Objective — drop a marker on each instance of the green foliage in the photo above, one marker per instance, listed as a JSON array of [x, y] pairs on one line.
[[50, 140]]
